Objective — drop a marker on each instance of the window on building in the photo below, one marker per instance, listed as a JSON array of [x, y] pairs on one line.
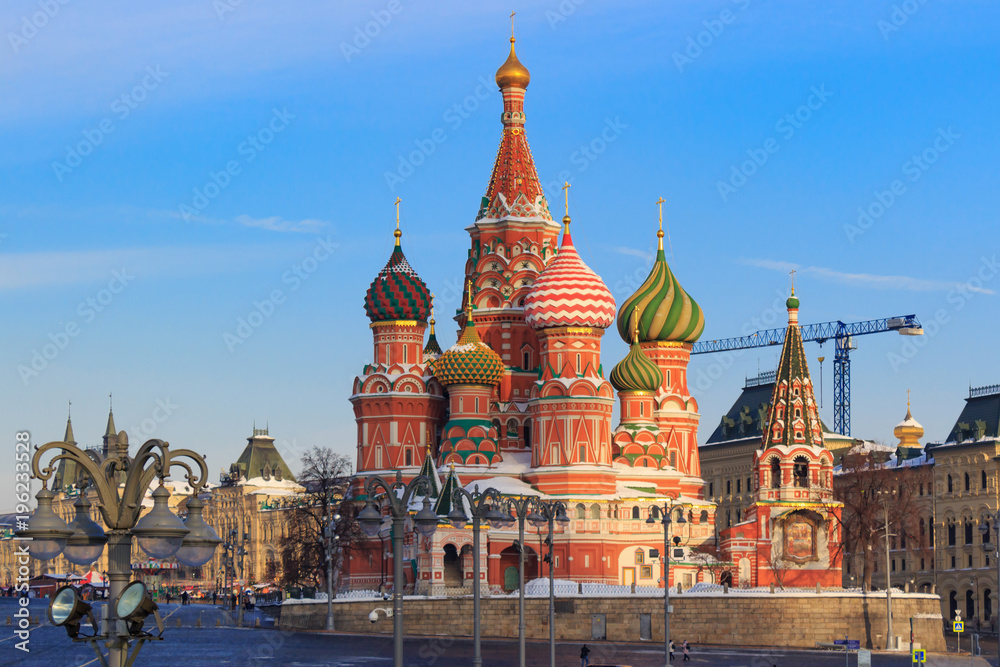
[[703, 518], [902, 564], [586, 561], [711, 489], [749, 485], [982, 480], [968, 484], [654, 512], [950, 484], [969, 561], [581, 511], [800, 472], [951, 533], [739, 483], [409, 458], [527, 360], [921, 488], [893, 565], [953, 562], [583, 453], [987, 530], [406, 356], [923, 565], [673, 459], [595, 511], [578, 367], [775, 474], [729, 520], [902, 540], [968, 531], [729, 487], [668, 379], [635, 512]]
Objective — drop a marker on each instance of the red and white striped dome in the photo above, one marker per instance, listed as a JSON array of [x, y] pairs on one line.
[[569, 294]]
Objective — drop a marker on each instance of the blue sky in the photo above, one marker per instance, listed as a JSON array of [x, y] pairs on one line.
[[167, 171]]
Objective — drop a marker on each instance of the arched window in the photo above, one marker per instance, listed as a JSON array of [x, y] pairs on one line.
[[775, 473], [950, 485], [986, 529], [640, 556], [968, 485], [581, 511], [800, 472], [968, 531], [982, 480], [635, 512], [409, 457], [654, 512], [703, 519], [527, 360], [951, 533], [595, 511]]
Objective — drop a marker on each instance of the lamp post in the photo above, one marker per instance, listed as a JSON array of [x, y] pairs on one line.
[[121, 482], [483, 507], [553, 511], [235, 548], [332, 546], [890, 641], [397, 496], [519, 510], [667, 510]]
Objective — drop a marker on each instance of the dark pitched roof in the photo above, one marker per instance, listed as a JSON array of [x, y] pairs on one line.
[[260, 455], [980, 417], [748, 415]]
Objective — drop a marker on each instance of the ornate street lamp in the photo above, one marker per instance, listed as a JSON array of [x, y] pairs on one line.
[[121, 483], [332, 546], [199, 545], [397, 496], [483, 507], [667, 520]]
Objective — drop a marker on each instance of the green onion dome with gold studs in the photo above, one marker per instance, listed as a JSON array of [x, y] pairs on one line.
[[668, 313], [397, 293], [469, 361], [636, 372]]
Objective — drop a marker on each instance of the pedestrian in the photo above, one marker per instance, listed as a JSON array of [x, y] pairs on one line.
[[215, 596], [671, 656], [584, 656], [687, 651]]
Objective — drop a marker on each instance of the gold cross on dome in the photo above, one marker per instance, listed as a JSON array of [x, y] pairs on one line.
[[468, 306], [792, 275], [397, 211], [659, 203], [565, 189], [512, 24]]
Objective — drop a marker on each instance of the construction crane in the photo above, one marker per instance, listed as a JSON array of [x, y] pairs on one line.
[[843, 336]]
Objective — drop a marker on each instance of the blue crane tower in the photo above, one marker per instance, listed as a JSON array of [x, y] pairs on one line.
[[842, 334]]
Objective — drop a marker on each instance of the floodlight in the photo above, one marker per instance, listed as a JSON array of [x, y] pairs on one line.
[[134, 605], [67, 609]]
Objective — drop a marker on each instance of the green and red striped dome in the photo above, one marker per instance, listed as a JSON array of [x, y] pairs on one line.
[[398, 293]]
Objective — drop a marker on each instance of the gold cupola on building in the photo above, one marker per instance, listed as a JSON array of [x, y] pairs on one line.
[[512, 74], [909, 431]]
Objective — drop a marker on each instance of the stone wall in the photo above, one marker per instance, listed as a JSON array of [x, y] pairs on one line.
[[798, 620]]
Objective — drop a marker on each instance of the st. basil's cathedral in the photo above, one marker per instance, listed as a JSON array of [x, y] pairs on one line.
[[522, 403]]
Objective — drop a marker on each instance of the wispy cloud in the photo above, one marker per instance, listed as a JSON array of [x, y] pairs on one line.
[[641, 254], [875, 281], [49, 269], [278, 224]]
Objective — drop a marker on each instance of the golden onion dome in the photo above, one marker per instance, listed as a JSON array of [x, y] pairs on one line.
[[512, 74]]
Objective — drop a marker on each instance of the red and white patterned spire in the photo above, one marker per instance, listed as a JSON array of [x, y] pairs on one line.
[[568, 293], [514, 190]]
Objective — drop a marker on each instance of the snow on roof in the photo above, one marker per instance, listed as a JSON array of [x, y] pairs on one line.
[[269, 485], [910, 422]]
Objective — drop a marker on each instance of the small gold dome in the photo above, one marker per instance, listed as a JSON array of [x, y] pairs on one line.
[[512, 74]]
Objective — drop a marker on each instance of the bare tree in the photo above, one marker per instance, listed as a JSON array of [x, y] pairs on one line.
[[706, 558], [778, 564], [869, 486], [326, 477]]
